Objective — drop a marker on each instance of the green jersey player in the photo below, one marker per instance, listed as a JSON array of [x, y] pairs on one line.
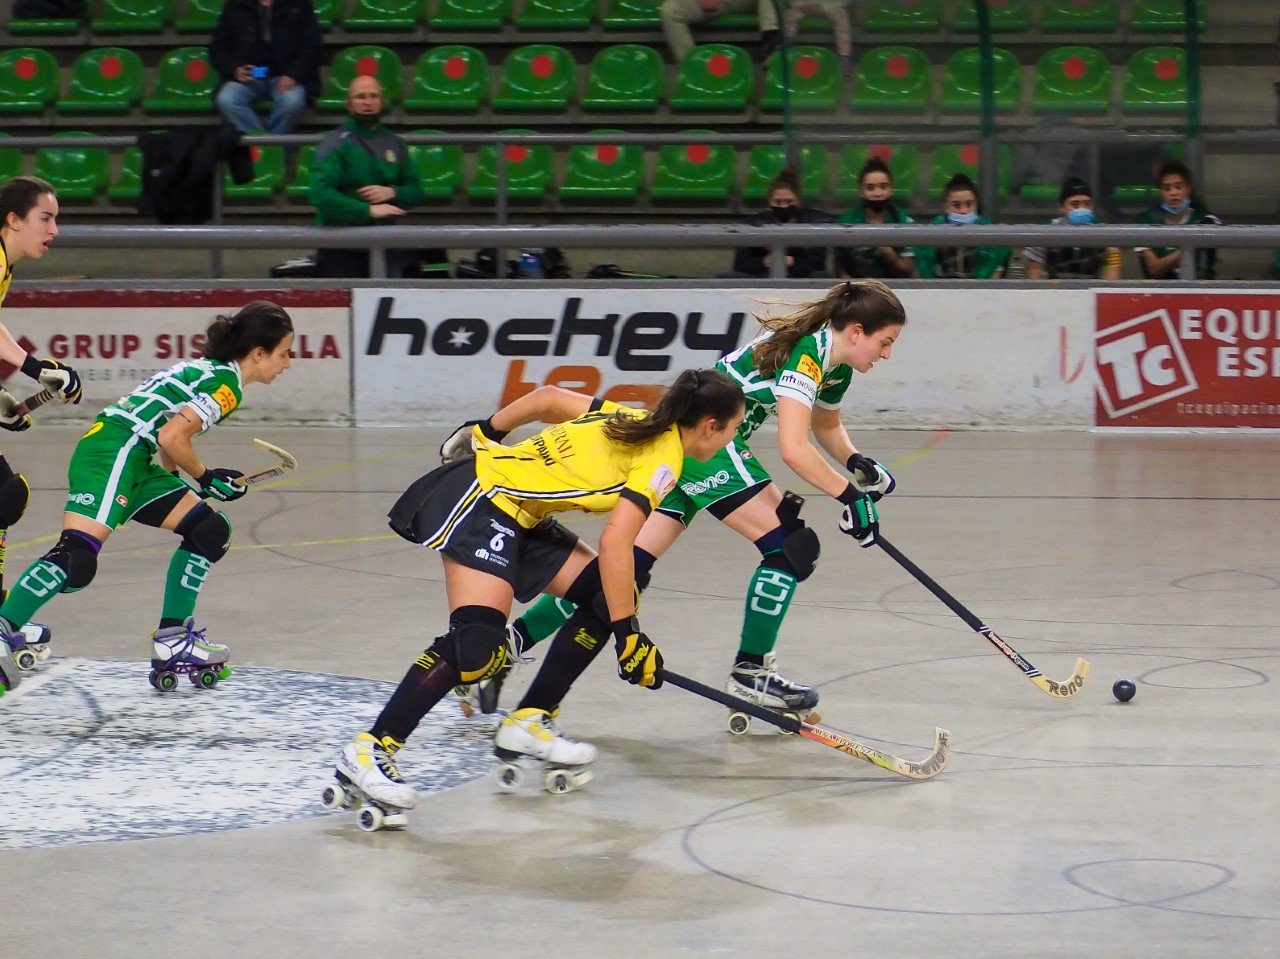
[[799, 369], [114, 478]]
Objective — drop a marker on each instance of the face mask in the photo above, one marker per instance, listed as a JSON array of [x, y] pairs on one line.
[[875, 206], [1081, 217], [1176, 211], [962, 219], [785, 214]]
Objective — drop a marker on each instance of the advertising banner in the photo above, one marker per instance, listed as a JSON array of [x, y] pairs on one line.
[[1188, 360], [116, 339]]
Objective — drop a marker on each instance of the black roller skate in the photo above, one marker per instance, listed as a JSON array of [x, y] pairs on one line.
[[765, 686]]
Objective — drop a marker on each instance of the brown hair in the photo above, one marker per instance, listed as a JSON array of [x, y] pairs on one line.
[[787, 179], [868, 303], [260, 324], [693, 397], [19, 196]]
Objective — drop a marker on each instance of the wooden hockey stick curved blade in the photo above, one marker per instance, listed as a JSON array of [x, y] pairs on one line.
[[925, 769], [1070, 687], [288, 463]]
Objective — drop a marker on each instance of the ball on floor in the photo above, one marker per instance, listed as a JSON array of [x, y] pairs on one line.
[[1124, 690]]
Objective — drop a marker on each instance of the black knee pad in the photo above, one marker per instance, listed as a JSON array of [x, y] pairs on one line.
[[76, 554], [476, 645], [205, 532], [795, 552], [14, 496]]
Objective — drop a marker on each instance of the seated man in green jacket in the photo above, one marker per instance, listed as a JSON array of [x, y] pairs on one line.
[[363, 176]]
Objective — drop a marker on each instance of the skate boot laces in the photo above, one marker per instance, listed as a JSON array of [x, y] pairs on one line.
[[382, 753]]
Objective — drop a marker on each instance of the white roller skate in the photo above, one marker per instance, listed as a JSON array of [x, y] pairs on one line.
[[483, 696], [366, 774], [30, 645], [183, 650], [531, 734], [765, 686]]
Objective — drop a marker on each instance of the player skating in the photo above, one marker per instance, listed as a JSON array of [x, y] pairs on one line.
[[800, 367], [113, 478], [28, 224], [491, 518]]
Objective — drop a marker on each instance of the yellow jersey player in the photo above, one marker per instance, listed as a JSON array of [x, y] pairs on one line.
[[491, 517]]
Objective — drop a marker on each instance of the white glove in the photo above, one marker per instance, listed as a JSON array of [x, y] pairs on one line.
[[10, 419], [870, 477], [459, 444]]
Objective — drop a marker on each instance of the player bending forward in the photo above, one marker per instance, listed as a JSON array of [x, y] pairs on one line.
[[800, 367], [113, 478], [491, 519]]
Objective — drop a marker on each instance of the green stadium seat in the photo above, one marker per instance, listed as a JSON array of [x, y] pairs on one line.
[[817, 84], [10, 161], [630, 15], [45, 27], [1007, 16], [184, 83], [298, 189], [363, 61], [1155, 81], [1080, 16], [488, 15], [1040, 194], [79, 174], [903, 162], [131, 16], [440, 165], [1144, 192], [904, 16], [962, 87], [694, 171], [1072, 80], [384, 16], [893, 79], [556, 14], [199, 16], [28, 80], [105, 80], [963, 158], [268, 177], [529, 171], [1164, 16], [626, 76], [451, 78], [537, 78], [603, 172], [328, 12], [127, 186], [715, 77], [766, 160]]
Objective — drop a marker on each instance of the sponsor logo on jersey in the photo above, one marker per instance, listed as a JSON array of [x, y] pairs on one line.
[[810, 368], [486, 556], [83, 499], [122, 500], [663, 480], [794, 382], [226, 398], [495, 525], [710, 483]]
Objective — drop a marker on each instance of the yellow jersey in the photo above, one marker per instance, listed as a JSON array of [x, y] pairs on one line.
[[6, 271], [575, 466]]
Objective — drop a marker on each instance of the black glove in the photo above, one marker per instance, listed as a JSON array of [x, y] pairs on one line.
[[55, 376], [458, 445], [639, 661], [859, 519], [870, 477], [219, 484]]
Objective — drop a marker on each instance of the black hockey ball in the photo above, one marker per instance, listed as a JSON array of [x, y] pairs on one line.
[[1124, 690]]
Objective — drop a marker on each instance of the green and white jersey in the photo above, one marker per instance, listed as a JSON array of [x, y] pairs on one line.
[[212, 389], [809, 375]]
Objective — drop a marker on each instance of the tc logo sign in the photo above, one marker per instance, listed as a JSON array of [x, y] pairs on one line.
[[1141, 363]]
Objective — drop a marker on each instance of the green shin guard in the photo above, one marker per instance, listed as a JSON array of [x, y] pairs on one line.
[[38, 584], [182, 585], [768, 598], [543, 619]]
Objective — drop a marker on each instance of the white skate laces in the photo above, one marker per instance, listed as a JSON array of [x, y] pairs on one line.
[[532, 732], [765, 686], [368, 764]]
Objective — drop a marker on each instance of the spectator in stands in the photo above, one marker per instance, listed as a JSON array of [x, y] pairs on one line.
[[875, 183], [837, 11], [1073, 262], [1178, 206], [960, 207], [785, 206], [362, 176], [677, 15], [266, 50]]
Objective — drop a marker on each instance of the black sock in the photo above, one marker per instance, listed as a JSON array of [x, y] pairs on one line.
[[571, 652], [424, 685], [168, 622], [755, 659]]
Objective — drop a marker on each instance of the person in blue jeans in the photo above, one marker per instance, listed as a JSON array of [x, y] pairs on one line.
[[266, 50]]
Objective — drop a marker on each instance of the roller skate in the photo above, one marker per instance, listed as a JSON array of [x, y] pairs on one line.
[[483, 696], [366, 779], [183, 651], [10, 674], [765, 686], [531, 734], [28, 645]]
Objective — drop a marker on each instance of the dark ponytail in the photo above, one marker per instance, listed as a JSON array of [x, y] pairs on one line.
[[260, 324], [693, 397], [19, 196]]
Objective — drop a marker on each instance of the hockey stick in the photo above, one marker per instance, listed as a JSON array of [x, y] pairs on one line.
[[927, 769], [1061, 690], [288, 463], [34, 402]]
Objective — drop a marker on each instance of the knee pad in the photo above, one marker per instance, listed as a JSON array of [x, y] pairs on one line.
[[205, 532], [476, 644], [76, 554], [795, 552], [14, 496]]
